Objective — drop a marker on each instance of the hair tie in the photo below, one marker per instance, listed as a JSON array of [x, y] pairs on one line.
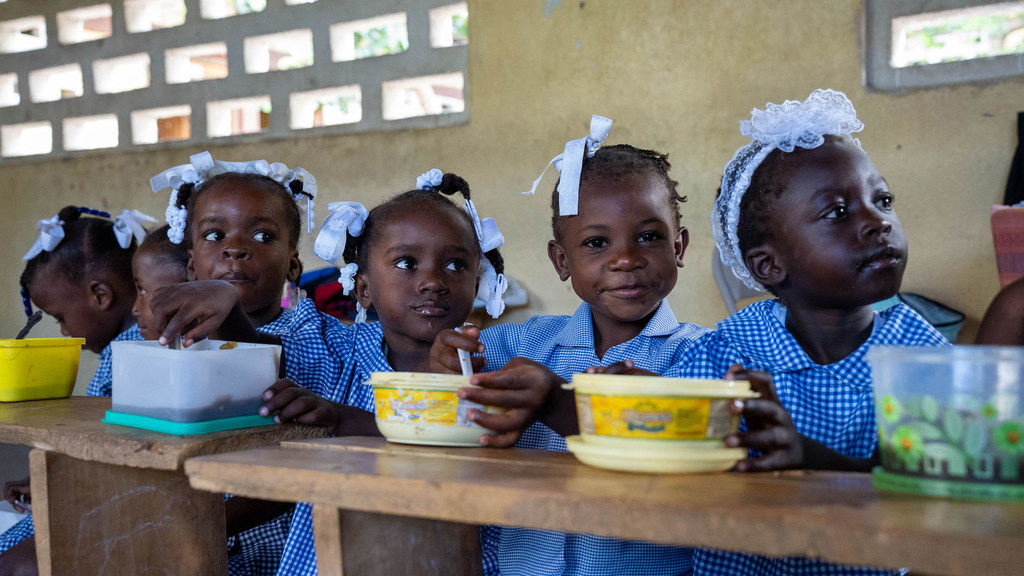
[[785, 127], [429, 180], [202, 167], [91, 212], [347, 277], [570, 165], [129, 225], [26, 302]]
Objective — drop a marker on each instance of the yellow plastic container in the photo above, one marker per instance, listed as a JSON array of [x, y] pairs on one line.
[[640, 457], [422, 408], [38, 368], [617, 410]]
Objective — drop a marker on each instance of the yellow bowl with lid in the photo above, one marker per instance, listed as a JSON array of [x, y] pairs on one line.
[[620, 411], [423, 408], [38, 368]]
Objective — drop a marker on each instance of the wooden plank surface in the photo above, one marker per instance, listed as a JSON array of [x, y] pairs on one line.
[[838, 517], [73, 426], [101, 519]]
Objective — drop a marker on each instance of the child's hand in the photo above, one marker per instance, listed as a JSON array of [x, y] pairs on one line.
[[193, 309], [522, 387], [293, 403], [625, 368], [770, 430], [444, 355], [18, 493]]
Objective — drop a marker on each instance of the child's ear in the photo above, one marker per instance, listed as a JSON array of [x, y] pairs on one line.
[[294, 267], [679, 246], [557, 255], [101, 295], [362, 291], [190, 270], [765, 266]]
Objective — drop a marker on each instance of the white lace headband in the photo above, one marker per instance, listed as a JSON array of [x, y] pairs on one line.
[[127, 226], [785, 127], [493, 285], [203, 167], [570, 165]]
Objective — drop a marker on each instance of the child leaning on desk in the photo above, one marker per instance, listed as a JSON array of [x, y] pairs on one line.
[[804, 214], [80, 272], [416, 260], [619, 240]]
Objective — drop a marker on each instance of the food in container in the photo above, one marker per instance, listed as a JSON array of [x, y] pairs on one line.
[[950, 420], [38, 368], [423, 408], [202, 383]]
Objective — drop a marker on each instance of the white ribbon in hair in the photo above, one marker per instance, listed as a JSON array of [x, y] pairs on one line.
[[429, 180], [570, 165], [347, 277], [360, 313], [129, 225], [492, 285], [345, 218], [51, 232]]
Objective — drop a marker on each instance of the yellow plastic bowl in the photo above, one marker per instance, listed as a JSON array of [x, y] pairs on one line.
[[422, 408], [640, 411], [38, 368]]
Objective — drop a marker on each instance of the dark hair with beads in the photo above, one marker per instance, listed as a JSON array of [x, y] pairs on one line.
[[188, 193], [757, 206], [169, 254], [357, 248], [89, 247], [622, 161]]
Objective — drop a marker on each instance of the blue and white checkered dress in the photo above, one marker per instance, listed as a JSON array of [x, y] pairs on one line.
[[100, 385], [566, 346], [257, 551], [332, 360], [832, 404]]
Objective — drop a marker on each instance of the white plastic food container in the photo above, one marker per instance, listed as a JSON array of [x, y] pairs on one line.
[[197, 384]]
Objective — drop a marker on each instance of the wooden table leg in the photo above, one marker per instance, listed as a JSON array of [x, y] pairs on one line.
[[98, 519], [365, 544]]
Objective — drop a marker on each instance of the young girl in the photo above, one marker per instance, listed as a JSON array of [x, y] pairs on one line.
[[241, 224], [79, 271], [157, 262], [618, 238], [804, 214]]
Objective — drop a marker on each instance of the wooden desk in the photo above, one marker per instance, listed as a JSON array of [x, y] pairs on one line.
[[114, 500], [835, 516]]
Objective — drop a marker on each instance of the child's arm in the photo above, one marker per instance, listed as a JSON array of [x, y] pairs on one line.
[[1003, 322], [18, 492], [771, 431], [289, 402], [197, 310]]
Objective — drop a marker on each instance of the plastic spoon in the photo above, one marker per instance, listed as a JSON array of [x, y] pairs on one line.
[[32, 321], [464, 361]]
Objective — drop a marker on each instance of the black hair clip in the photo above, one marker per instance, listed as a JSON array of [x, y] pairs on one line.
[[92, 212], [28, 303]]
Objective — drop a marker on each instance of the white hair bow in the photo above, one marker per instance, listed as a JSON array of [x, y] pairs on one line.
[[570, 165], [347, 277], [129, 225], [429, 180], [345, 218], [492, 285], [51, 232]]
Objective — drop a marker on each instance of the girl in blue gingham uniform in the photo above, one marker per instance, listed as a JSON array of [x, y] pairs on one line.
[[69, 246], [803, 213], [398, 254], [565, 344]]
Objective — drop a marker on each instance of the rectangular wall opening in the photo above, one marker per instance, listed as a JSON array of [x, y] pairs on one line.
[[423, 96], [29, 139], [326, 107], [166, 124], [238, 116], [85, 24], [121, 74], [281, 51], [387, 34], [196, 63], [90, 132], [57, 83]]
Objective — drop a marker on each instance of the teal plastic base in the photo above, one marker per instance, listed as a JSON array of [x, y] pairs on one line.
[[946, 488], [186, 428]]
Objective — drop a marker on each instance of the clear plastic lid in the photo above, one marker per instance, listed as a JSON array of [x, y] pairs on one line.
[[619, 385]]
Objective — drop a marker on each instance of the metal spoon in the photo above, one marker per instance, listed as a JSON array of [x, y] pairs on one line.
[[32, 321]]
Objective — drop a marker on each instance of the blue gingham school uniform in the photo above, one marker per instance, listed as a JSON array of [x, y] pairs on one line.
[[332, 360], [257, 551], [832, 404], [100, 385], [566, 346]]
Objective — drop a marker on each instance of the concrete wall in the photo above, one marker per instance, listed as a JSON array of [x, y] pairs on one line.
[[676, 76]]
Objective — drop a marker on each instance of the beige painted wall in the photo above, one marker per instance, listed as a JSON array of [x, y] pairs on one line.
[[676, 76]]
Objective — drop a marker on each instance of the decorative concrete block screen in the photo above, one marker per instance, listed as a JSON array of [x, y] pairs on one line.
[[79, 75]]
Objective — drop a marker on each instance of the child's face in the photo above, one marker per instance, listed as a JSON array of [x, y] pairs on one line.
[[622, 252], [150, 272], [240, 234], [83, 311], [422, 274], [837, 240]]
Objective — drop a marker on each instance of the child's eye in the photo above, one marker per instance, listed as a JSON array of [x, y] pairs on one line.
[[456, 266], [263, 237], [405, 264], [884, 201], [836, 213], [649, 236], [595, 242], [213, 236]]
